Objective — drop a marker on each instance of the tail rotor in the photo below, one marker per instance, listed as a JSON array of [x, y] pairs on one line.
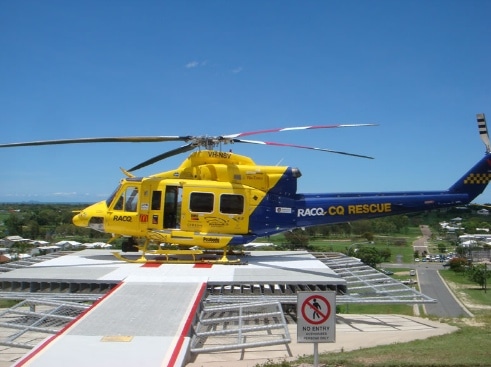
[[483, 131]]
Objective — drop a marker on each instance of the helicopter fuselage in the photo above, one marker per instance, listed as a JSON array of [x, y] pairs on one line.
[[216, 199]]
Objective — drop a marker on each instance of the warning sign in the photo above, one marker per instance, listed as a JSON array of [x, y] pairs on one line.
[[316, 317]]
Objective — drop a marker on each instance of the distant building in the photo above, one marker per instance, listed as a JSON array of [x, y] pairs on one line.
[[10, 240]]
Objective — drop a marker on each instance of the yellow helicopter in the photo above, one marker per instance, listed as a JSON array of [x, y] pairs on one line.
[[217, 199]]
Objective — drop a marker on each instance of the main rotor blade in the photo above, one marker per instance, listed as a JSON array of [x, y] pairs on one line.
[[299, 146], [123, 139], [170, 153], [294, 128]]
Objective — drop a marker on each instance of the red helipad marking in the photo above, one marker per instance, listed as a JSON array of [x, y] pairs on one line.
[[202, 266], [316, 309], [151, 265]]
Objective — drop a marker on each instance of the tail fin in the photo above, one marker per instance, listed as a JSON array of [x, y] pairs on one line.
[[475, 181]]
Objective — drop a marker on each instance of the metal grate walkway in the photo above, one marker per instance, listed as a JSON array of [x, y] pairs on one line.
[[30, 321], [240, 326]]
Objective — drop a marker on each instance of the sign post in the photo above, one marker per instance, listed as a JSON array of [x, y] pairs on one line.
[[316, 319]]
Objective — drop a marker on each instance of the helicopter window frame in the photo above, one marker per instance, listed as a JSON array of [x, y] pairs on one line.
[[201, 202], [232, 204], [128, 199], [131, 204], [111, 197]]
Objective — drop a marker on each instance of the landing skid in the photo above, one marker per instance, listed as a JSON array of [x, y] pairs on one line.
[[179, 257]]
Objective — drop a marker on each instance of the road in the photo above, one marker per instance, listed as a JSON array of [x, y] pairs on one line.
[[432, 284]]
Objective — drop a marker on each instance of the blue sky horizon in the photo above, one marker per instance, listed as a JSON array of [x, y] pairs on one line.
[[419, 69]]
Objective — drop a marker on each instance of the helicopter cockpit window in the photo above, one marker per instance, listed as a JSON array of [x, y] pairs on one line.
[[231, 204], [112, 196], [131, 199], [201, 202], [128, 201]]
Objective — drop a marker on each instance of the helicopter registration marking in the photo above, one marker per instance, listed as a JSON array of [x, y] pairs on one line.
[[215, 154]]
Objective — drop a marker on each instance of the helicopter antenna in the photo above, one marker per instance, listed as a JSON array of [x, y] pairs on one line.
[[483, 131]]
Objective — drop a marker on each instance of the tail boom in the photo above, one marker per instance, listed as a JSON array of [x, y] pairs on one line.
[[318, 209], [331, 210]]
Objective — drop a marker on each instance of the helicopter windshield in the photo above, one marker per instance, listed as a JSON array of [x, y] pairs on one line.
[[110, 199]]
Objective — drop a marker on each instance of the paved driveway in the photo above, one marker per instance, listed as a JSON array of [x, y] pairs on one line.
[[432, 285]]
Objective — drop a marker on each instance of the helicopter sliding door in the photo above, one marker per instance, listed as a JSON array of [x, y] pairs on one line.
[[171, 206], [215, 210], [165, 207]]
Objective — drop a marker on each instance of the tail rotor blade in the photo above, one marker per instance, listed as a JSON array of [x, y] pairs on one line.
[[483, 131]]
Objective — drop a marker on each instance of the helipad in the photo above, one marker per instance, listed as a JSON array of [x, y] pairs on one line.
[[145, 313], [149, 307]]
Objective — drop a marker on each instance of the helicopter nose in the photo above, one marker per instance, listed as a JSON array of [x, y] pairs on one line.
[[81, 219], [92, 216]]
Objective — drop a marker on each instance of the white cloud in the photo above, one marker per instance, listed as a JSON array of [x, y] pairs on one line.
[[237, 70], [195, 64], [192, 65]]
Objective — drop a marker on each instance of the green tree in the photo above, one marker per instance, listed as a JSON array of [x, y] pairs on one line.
[[442, 248], [32, 229], [369, 256], [14, 224], [362, 226], [457, 264], [384, 226], [479, 274], [401, 222], [385, 254]]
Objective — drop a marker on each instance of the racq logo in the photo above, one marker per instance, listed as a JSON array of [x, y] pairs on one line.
[[311, 212], [122, 218], [211, 239]]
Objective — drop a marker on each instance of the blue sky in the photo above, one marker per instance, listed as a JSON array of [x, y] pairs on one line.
[[70, 69]]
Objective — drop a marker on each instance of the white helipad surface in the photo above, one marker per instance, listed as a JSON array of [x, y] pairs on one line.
[[262, 266], [146, 318]]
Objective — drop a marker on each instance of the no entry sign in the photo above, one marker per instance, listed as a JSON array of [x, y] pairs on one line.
[[316, 317]]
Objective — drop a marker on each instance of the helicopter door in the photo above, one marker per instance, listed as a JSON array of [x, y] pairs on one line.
[[172, 206], [123, 212]]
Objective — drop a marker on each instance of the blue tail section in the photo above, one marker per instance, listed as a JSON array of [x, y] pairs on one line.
[[304, 210], [475, 181]]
